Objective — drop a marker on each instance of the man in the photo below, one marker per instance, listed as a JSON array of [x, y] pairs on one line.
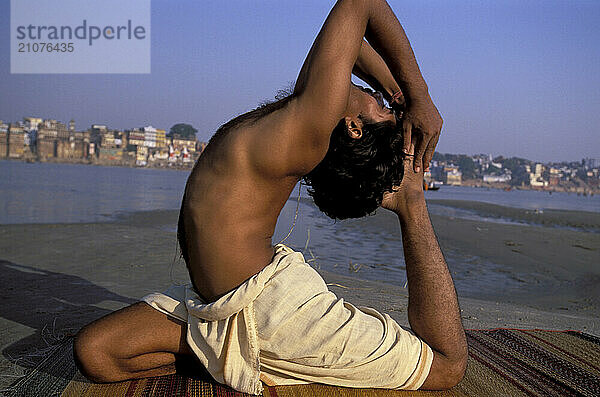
[[255, 312]]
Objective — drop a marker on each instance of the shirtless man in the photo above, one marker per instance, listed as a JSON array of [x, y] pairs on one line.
[[247, 172]]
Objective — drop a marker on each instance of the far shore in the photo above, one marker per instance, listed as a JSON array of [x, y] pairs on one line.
[[162, 165], [476, 183]]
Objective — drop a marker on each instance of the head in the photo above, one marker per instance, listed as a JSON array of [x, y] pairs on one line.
[[363, 161]]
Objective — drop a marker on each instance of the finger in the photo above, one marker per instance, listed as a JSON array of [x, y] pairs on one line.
[[419, 152], [430, 151], [407, 130]]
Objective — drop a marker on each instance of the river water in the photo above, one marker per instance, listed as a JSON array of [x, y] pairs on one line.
[[368, 248], [66, 193]]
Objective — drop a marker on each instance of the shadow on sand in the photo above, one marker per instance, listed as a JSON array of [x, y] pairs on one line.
[[54, 305]]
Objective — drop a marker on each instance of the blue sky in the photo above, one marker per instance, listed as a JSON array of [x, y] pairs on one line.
[[517, 78]]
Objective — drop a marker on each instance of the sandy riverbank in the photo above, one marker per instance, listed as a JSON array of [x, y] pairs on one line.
[[576, 220], [58, 277], [555, 259]]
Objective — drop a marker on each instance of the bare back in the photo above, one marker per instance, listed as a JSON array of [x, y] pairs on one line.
[[230, 219]]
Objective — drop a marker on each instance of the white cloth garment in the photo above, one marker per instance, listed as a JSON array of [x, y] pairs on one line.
[[283, 326]]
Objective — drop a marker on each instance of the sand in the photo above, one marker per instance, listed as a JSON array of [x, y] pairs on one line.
[[575, 220], [557, 267], [58, 277]]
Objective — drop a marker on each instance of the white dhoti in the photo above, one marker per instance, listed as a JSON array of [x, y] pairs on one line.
[[284, 327]]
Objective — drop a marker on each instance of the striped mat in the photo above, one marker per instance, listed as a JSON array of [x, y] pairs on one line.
[[502, 362]]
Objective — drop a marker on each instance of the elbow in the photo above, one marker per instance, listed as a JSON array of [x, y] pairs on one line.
[[457, 360], [457, 364], [453, 374], [456, 371], [446, 371]]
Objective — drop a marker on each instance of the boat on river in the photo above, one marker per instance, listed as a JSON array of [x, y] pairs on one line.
[[430, 186]]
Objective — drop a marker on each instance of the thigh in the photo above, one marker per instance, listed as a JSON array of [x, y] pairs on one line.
[[138, 329]]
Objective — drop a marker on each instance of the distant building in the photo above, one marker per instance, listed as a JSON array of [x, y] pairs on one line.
[[47, 137], [62, 131], [497, 178], [107, 139], [16, 141], [180, 142], [149, 136], [3, 139], [555, 176], [96, 133], [535, 178], [31, 123], [451, 175], [537, 182], [141, 155], [111, 145], [48, 133], [57, 140], [110, 153], [589, 163], [161, 138], [108, 145], [159, 155], [135, 137]]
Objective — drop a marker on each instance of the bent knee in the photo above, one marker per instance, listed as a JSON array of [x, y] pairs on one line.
[[92, 357]]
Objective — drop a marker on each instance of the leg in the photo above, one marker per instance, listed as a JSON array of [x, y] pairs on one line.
[[135, 342]]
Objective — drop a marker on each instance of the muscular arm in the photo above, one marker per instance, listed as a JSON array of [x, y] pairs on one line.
[[433, 310], [340, 46], [372, 68], [323, 85]]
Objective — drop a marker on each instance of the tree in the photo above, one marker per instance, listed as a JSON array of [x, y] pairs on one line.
[[437, 156], [493, 170], [519, 174], [466, 166], [183, 130]]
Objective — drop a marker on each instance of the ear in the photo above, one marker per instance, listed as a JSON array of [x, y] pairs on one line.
[[354, 127]]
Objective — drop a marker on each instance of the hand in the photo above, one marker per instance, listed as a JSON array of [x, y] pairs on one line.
[[422, 125], [409, 192]]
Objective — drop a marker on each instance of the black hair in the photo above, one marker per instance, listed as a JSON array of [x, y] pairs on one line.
[[350, 180]]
